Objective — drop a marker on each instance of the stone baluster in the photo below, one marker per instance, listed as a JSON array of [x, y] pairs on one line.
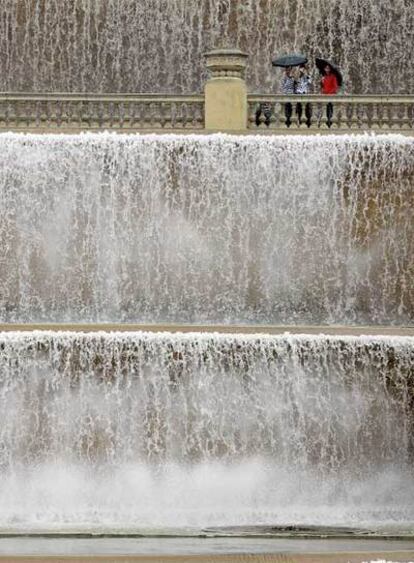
[[153, 106], [2, 114], [410, 110], [353, 116], [375, 120], [194, 113], [20, 114], [119, 111], [385, 116], [176, 115], [363, 116], [164, 111], [225, 91], [126, 114], [322, 115], [405, 118], [336, 115], [279, 115], [79, 113], [251, 124], [37, 112], [395, 118], [6, 114], [143, 115], [15, 113], [191, 115], [97, 114], [183, 112], [87, 115], [200, 115], [50, 112], [59, 113], [341, 109]]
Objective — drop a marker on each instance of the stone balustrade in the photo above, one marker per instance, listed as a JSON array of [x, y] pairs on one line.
[[91, 112], [347, 114], [158, 113], [225, 106]]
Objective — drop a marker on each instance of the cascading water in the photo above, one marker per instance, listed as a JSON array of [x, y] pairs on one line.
[[138, 432], [113, 46], [129, 431], [206, 229]]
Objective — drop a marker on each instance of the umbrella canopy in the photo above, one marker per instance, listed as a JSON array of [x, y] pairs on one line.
[[321, 64], [290, 60]]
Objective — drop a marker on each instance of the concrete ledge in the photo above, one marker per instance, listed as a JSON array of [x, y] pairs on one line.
[[196, 131], [226, 329], [403, 556], [383, 556]]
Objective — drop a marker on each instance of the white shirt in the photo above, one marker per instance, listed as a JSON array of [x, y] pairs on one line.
[[303, 84]]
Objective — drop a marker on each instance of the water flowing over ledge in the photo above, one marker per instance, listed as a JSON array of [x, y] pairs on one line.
[[218, 229], [114, 46], [141, 431]]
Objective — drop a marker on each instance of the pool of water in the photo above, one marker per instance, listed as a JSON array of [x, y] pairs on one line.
[[72, 546]]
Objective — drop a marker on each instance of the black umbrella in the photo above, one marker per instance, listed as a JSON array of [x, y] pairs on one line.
[[290, 60], [321, 64]]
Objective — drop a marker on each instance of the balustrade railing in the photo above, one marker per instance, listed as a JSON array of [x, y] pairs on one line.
[[158, 112], [127, 112], [315, 113]]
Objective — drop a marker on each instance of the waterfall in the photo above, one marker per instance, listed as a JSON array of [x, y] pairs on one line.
[[213, 229], [113, 46], [154, 433], [147, 431]]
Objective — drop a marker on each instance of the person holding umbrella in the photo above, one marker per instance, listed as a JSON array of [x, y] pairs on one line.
[[289, 83], [303, 86], [288, 88], [331, 81]]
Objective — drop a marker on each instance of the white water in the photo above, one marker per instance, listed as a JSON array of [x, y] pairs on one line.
[[206, 229], [147, 431], [158, 45]]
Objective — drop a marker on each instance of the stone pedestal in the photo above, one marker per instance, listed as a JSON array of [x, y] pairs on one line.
[[225, 90]]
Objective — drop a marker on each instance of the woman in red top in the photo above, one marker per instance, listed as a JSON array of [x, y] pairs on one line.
[[329, 87]]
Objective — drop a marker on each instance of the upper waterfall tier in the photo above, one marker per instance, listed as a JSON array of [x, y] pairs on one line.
[[113, 46], [206, 229]]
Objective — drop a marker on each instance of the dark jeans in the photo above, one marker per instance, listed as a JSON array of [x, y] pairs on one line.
[[288, 114], [266, 110], [329, 113], [308, 112], [299, 112]]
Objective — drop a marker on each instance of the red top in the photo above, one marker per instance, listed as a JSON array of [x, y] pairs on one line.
[[329, 84]]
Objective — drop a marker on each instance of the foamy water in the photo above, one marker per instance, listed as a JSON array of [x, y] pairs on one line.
[[140, 431], [206, 229]]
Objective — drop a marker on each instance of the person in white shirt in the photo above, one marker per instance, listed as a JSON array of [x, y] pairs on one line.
[[303, 87], [288, 88]]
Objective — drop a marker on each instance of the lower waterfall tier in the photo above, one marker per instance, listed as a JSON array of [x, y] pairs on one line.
[[206, 229], [154, 431]]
